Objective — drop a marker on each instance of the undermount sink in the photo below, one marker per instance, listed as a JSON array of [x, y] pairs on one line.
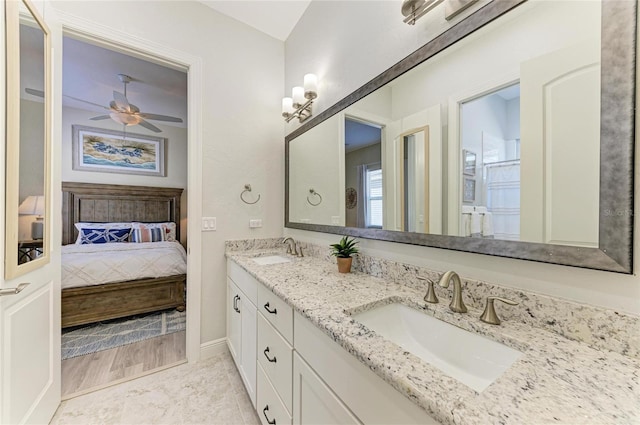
[[472, 359], [271, 259]]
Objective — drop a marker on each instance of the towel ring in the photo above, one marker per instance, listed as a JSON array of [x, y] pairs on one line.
[[247, 188], [313, 192]]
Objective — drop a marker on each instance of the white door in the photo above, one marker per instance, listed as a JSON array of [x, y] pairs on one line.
[[560, 125], [234, 322], [248, 344], [30, 383]]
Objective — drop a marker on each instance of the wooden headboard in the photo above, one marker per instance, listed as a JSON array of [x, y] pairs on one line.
[[103, 203]]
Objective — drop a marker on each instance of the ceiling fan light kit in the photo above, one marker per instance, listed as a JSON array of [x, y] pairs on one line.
[[123, 112]]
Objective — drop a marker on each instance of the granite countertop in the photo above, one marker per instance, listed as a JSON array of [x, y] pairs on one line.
[[556, 380]]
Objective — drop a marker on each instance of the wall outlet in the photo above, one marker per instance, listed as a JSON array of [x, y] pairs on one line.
[[208, 224], [255, 223], [335, 219]]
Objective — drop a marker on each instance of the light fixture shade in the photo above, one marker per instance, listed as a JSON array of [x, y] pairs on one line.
[[123, 118], [287, 105], [310, 86], [33, 205], [298, 95]]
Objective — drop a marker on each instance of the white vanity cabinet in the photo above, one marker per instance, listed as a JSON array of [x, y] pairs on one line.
[[242, 295], [295, 374]]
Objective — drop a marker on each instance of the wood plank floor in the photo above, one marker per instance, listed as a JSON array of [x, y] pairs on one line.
[[83, 373]]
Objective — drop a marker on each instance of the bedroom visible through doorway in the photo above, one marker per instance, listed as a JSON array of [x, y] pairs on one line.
[[125, 179]]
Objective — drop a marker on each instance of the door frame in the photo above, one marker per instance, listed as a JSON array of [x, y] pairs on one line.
[[114, 39], [454, 154]]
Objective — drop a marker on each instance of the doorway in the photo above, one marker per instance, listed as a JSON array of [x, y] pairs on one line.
[[124, 362]]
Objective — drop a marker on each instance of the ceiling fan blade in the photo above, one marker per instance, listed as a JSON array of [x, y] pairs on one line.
[[100, 117], [34, 92], [149, 126], [158, 117], [85, 101], [121, 102]]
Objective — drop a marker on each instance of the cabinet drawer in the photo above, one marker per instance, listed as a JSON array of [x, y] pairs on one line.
[[247, 283], [275, 356], [277, 312], [270, 408]]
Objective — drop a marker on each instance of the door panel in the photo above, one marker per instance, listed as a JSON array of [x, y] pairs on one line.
[[29, 355], [560, 113]]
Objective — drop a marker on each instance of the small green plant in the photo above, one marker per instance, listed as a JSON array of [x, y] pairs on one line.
[[345, 248]]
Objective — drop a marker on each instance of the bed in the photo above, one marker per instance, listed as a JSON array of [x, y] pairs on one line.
[[99, 203]]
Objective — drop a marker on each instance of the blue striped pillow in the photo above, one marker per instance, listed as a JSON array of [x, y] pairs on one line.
[[96, 236]]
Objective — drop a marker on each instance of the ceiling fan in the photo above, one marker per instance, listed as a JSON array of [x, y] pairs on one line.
[[120, 110]]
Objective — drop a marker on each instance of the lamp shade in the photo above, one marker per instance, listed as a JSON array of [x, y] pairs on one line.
[[33, 205]]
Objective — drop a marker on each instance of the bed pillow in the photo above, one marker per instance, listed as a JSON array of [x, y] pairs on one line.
[[86, 225], [101, 235], [154, 232]]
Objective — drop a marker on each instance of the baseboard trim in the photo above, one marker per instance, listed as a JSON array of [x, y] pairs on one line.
[[213, 348]]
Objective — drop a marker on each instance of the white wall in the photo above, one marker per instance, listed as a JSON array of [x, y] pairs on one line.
[[175, 154], [241, 123], [347, 43]]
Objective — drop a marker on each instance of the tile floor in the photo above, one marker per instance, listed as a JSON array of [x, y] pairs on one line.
[[208, 392]]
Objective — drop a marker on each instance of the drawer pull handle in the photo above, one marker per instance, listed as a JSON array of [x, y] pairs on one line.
[[264, 412], [272, 360], [274, 311], [235, 303]]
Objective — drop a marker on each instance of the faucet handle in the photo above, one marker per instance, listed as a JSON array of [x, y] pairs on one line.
[[299, 252], [489, 314], [431, 293]]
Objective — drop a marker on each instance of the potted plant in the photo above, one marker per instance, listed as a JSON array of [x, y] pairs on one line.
[[343, 251]]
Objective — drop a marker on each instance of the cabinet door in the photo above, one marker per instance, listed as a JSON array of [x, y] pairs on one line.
[[233, 322], [248, 346], [313, 400]]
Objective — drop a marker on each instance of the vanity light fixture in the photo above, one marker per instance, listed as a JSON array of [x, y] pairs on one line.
[[299, 104], [413, 10]]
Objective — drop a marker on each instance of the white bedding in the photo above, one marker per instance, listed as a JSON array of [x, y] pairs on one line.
[[94, 264]]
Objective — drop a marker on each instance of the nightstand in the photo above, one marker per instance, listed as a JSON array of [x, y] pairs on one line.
[[29, 250]]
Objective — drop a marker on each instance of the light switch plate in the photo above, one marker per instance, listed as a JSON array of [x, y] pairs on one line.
[[254, 223], [208, 224]]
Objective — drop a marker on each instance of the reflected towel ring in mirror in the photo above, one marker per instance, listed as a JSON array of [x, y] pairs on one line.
[[313, 192], [247, 188]]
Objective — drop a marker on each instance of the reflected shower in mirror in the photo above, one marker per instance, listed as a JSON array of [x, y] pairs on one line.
[[496, 139]]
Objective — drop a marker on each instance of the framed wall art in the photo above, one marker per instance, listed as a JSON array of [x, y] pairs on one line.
[[109, 151]]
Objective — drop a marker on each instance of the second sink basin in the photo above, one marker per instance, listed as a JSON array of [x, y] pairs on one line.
[[472, 359], [271, 259]]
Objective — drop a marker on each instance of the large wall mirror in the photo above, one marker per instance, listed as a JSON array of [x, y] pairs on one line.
[[27, 204], [511, 134]]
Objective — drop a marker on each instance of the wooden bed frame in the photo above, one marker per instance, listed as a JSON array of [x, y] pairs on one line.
[[100, 203]]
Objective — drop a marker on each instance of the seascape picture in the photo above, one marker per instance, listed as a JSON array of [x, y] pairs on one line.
[[110, 151]]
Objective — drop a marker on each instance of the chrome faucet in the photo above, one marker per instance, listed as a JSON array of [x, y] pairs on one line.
[[457, 305], [288, 240]]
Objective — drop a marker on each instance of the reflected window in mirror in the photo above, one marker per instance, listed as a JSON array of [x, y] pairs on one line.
[[363, 173]]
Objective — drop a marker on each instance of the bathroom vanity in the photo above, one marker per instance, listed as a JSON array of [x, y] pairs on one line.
[[315, 362]]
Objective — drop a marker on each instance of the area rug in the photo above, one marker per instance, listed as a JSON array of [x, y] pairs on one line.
[[100, 336]]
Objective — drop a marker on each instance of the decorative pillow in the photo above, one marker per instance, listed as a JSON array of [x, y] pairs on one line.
[[84, 225], [95, 236], [167, 230]]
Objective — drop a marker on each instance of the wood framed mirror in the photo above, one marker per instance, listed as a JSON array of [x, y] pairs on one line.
[[28, 140]]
